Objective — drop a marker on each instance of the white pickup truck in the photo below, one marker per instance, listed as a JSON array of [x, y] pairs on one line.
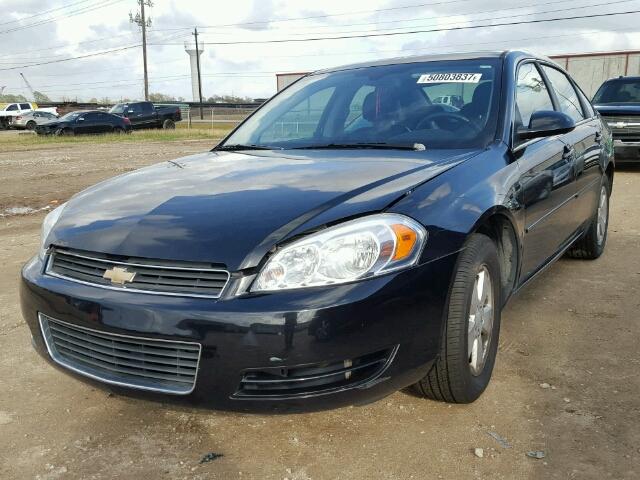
[[10, 110]]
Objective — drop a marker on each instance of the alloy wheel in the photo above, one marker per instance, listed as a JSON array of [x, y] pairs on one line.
[[480, 323]]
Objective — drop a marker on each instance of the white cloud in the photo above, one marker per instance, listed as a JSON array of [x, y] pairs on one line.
[[246, 69]]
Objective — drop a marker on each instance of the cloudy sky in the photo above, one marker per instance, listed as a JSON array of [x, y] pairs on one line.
[[50, 32]]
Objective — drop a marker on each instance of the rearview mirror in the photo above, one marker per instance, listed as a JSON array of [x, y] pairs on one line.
[[545, 123]]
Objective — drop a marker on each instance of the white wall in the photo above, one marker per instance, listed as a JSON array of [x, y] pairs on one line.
[[591, 71]]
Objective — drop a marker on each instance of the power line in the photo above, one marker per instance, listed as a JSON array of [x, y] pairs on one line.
[[314, 17], [95, 54], [437, 17], [412, 32], [89, 8], [45, 12]]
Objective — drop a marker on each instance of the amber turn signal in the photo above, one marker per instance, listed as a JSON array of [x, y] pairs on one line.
[[406, 238]]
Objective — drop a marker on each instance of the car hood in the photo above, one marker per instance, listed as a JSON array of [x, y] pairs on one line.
[[611, 109], [232, 207]]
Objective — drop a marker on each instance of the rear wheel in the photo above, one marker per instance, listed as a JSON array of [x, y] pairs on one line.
[[168, 124], [31, 125], [591, 245], [470, 338]]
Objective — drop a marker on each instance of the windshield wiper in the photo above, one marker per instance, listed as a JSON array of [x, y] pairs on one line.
[[364, 145], [237, 146]]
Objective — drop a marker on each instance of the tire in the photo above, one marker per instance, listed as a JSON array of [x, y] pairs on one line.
[[168, 124], [458, 375], [31, 125], [67, 132], [591, 245]]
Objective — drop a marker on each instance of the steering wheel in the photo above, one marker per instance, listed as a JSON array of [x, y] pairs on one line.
[[446, 120]]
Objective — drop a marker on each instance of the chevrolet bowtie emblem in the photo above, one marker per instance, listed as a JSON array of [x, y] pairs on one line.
[[119, 276], [620, 124]]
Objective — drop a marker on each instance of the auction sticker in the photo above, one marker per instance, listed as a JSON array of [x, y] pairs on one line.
[[450, 78]]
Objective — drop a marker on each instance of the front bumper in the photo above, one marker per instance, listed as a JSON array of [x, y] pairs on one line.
[[400, 313], [626, 151]]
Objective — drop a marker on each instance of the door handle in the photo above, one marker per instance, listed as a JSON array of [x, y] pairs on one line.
[[567, 152]]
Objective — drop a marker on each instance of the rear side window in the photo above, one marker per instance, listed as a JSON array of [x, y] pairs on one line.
[[567, 96], [25, 106], [588, 109], [531, 94], [147, 108]]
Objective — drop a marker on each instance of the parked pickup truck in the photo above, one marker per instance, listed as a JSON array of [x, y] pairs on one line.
[[146, 115], [8, 111], [618, 101]]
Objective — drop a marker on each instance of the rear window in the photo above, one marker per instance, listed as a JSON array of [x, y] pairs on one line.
[[618, 91]]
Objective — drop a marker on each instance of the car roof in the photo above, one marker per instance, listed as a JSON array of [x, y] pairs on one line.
[[436, 58], [623, 77]]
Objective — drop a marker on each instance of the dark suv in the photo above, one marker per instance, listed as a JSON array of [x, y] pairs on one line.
[[618, 101]]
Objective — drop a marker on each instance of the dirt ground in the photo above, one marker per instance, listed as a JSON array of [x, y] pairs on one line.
[[576, 329]]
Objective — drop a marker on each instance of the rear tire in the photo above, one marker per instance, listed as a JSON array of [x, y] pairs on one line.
[[66, 132], [31, 125], [591, 245], [168, 124], [469, 342]]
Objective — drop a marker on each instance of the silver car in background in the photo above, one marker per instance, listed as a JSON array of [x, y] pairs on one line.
[[29, 120]]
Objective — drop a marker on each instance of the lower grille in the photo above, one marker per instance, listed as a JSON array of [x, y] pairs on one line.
[[148, 364], [318, 378], [143, 275]]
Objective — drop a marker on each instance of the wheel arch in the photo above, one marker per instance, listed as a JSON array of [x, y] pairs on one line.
[[499, 225]]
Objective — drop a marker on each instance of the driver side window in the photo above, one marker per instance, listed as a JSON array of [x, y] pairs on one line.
[[301, 121], [531, 95]]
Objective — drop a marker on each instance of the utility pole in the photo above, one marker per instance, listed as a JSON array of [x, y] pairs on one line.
[[195, 34], [144, 23]]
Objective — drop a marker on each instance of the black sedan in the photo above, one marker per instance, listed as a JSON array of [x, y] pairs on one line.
[[349, 239], [83, 122]]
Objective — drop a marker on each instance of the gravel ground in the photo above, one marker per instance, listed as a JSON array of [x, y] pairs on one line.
[[566, 381]]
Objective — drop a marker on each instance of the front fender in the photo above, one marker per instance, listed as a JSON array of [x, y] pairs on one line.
[[456, 203]]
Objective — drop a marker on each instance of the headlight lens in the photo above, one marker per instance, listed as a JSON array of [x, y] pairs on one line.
[[356, 249], [49, 221]]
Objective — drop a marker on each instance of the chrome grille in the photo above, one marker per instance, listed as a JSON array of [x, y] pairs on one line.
[[158, 276], [626, 128], [143, 363]]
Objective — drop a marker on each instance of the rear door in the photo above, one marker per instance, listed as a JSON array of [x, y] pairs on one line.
[[583, 141], [136, 115], [547, 182], [149, 114]]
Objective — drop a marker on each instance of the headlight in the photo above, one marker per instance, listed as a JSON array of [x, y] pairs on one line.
[[357, 249], [49, 221]]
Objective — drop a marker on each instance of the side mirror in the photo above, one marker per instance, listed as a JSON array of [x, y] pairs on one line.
[[129, 111], [545, 123], [81, 119]]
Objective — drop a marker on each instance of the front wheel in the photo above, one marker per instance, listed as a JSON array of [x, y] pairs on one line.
[[469, 343], [591, 245]]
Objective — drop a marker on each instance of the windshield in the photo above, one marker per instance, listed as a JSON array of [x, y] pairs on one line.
[[70, 116], [618, 91], [444, 104], [117, 109]]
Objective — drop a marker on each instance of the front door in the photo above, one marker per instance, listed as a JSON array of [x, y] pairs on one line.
[[547, 178]]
